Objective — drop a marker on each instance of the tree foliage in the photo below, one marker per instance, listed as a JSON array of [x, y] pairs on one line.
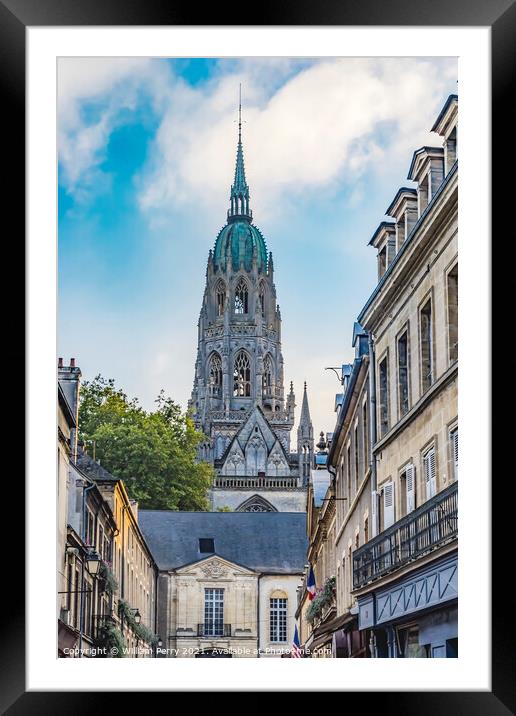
[[153, 452]]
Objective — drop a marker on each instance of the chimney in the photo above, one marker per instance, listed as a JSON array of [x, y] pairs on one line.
[[72, 362], [60, 363]]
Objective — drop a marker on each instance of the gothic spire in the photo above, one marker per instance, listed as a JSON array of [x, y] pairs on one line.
[[239, 197], [305, 418], [305, 428]]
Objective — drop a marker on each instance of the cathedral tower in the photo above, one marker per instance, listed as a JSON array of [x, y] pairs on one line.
[[238, 398]]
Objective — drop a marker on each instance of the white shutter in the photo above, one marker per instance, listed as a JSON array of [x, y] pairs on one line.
[[455, 452], [430, 480], [388, 504], [411, 487], [374, 513]]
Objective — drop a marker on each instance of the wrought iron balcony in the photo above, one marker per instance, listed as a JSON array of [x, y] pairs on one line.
[[213, 629], [431, 525]]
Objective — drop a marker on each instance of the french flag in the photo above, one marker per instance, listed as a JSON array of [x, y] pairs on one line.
[[310, 584]]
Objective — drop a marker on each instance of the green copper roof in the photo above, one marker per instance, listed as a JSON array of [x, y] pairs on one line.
[[241, 239], [239, 183]]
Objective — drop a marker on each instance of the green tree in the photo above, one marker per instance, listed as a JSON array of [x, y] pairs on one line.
[[153, 452]]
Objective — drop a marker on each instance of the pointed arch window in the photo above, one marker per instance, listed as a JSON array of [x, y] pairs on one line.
[[262, 298], [215, 375], [241, 297], [267, 377], [242, 376], [220, 298]]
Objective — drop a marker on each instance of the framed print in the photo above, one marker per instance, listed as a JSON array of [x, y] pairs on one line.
[[249, 353]]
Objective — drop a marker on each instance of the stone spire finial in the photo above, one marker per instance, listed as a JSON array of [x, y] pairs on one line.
[[239, 196]]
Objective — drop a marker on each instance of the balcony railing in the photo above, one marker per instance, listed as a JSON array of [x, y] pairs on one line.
[[432, 525], [213, 629], [243, 482]]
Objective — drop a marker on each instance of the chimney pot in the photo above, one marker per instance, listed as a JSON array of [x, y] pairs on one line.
[[60, 363], [72, 362]]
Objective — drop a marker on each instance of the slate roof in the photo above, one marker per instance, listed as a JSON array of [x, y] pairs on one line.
[[268, 542], [92, 469]]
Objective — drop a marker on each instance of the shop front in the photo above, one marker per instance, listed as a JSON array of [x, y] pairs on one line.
[[415, 616]]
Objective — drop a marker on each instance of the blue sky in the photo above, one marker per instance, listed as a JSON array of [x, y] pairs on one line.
[[146, 158]]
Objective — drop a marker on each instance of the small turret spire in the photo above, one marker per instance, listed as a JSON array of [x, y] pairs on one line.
[[305, 429], [239, 197]]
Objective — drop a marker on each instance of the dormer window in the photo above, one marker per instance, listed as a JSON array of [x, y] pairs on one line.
[[206, 545], [404, 211], [446, 126], [450, 150], [384, 241], [423, 195], [427, 169], [382, 262]]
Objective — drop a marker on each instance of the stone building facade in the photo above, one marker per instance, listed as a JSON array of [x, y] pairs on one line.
[[227, 581], [239, 399], [130, 561], [97, 525], [405, 578], [394, 452]]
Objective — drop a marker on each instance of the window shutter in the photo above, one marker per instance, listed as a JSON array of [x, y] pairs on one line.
[[411, 487], [388, 504], [455, 452], [374, 512], [430, 478]]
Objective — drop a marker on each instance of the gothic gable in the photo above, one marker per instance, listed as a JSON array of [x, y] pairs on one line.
[[254, 449], [277, 462], [256, 420]]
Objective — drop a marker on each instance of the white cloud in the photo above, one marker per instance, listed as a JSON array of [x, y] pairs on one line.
[[308, 126], [313, 132], [116, 84]]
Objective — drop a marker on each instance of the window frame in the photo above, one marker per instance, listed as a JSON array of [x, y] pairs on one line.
[[452, 267], [405, 330], [278, 618], [384, 358], [428, 299]]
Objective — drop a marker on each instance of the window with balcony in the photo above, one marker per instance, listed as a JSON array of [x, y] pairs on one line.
[[388, 507], [454, 449], [407, 489], [278, 620], [429, 472], [213, 612], [425, 333]]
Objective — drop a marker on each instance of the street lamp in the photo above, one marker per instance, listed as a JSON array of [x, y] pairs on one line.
[[137, 616], [93, 562], [160, 642]]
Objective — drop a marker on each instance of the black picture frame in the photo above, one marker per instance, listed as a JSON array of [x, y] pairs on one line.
[[15, 17]]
